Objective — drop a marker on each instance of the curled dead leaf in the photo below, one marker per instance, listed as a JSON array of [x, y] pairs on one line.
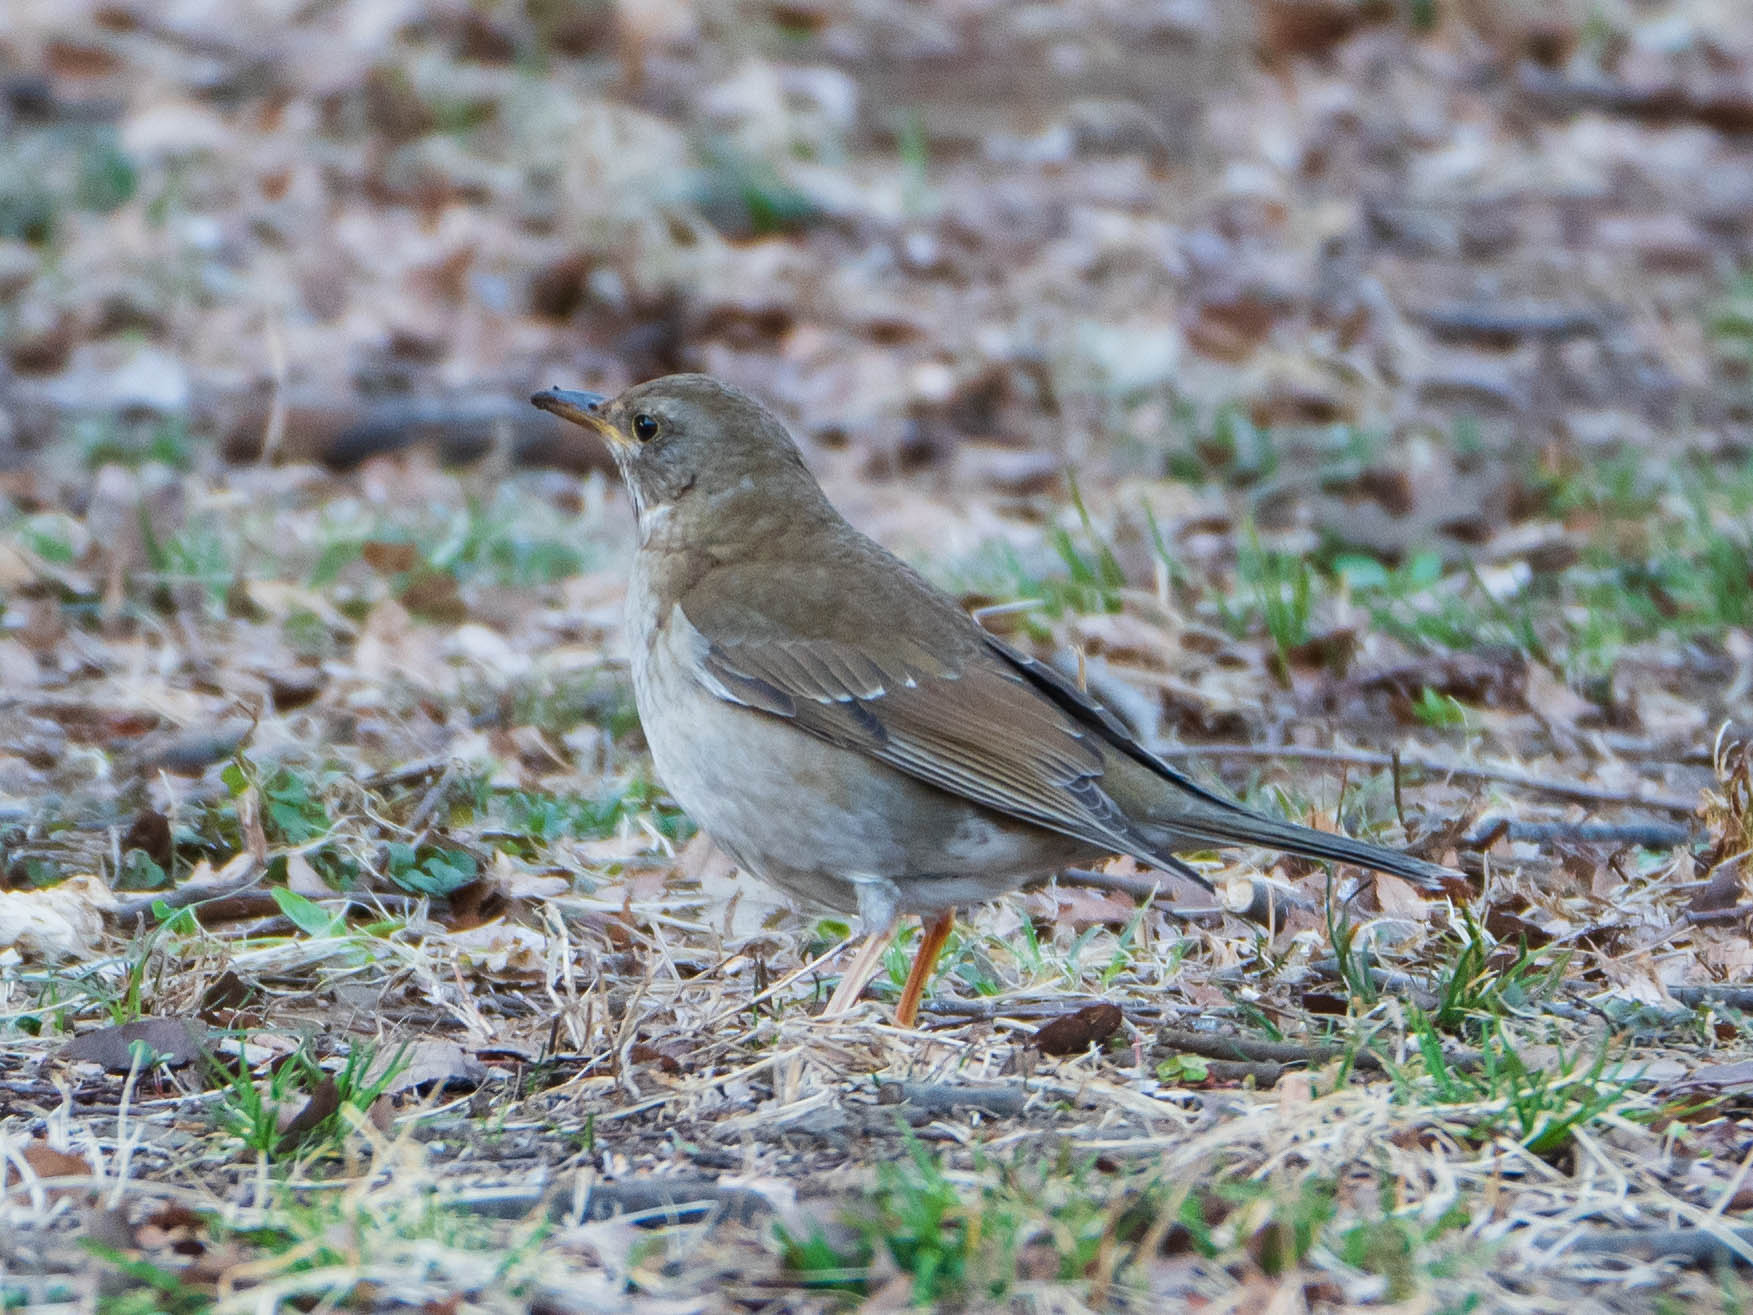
[[56, 922], [323, 1102]]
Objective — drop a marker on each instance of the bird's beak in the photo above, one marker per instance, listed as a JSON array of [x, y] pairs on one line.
[[579, 407]]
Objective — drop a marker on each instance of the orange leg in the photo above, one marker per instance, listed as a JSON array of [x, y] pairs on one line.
[[936, 933]]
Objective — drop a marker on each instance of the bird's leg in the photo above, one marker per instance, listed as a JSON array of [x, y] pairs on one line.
[[937, 932], [858, 973]]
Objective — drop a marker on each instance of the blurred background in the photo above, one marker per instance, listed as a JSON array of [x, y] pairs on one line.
[[1358, 394], [1283, 347]]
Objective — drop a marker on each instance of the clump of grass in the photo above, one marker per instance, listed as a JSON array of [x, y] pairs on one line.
[[1477, 986], [322, 1102], [50, 170], [325, 1249], [123, 988], [1438, 711], [960, 1241], [1542, 1106], [536, 819], [557, 704], [428, 869], [1231, 449], [744, 196], [1279, 589], [1730, 321], [141, 1287], [1091, 578], [1420, 604], [963, 1240], [1352, 952]]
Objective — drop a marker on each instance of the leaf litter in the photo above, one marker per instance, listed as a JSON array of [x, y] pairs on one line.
[[353, 956]]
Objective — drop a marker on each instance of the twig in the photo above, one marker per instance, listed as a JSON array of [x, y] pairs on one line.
[[1502, 324], [1388, 979], [1263, 1073], [1507, 775], [419, 821], [1382, 979], [1663, 102], [407, 773], [1718, 917], [1648, 834], [986, 1011], [432, 799], [932, 1098], [239, 874], [1247, 1050], [1651, 750], [1735, 997], [1399, 802], [668, 1200], [1267, 901], [675, 1198], [1696, 1246], [262, 906]]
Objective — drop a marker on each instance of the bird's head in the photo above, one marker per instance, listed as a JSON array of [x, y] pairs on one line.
[[687, 438]]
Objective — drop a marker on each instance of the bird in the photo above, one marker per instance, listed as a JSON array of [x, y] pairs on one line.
[[843, 729]]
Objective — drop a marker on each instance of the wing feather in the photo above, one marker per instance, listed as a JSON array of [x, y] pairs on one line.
[[979, 730]]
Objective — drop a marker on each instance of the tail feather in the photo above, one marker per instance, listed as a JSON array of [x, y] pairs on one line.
[[1159, 801], [1240, 826]]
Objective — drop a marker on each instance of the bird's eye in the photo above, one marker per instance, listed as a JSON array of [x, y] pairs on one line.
[[644, 427]]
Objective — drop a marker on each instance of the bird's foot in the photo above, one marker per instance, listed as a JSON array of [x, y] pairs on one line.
[[858, 973]]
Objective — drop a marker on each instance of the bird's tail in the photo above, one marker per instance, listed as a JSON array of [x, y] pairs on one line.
[[1208, 825]]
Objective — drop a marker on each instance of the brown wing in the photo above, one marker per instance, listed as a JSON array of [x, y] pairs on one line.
[[970, 724]]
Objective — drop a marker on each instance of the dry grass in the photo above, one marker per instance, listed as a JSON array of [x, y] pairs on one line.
[[610, 1091]]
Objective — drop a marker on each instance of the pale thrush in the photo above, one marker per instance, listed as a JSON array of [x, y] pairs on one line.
[[842, 728]]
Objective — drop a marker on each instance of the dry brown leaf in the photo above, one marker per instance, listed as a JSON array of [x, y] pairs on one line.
[[45, 1161], [303, 879], [1074, 1033], [295, 1126]]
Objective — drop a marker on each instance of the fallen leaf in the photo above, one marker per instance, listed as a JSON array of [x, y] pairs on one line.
[[434, 595], [225, 994], [501, 949], [1507, 926], [56, 922], [323, 1102], [1722, 890], [514, 881], [150, 834], [303, 879], [172, 1041], [1079, 909], [644, 1053], [45, 1162], [431, 1064], [387, 557], [1074, 1033]]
